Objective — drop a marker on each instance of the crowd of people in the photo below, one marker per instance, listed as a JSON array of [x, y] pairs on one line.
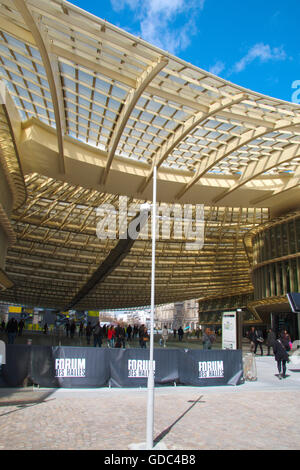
[[257, 338], [280, 345], [12, 328], [115, 335]]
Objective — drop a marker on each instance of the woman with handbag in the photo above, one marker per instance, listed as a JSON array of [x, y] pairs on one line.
[[280, 348], [143, 336], [208, 338], [256, 339], [259, 341]]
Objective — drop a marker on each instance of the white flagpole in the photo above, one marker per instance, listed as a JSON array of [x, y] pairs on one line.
[[150, 396]]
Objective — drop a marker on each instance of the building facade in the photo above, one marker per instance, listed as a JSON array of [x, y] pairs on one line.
[[273, 251], [174, 315]]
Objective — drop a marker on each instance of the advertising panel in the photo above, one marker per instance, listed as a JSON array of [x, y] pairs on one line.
[[229, 330]]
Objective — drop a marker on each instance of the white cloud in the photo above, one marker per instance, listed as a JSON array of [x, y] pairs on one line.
[[157, 19], [217, 68], [119, 5], [262, 52]]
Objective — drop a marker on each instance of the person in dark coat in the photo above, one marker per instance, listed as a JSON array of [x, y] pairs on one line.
[[280, 348], [120, 336], [256, 339], [271, 338], [88, 332], [143, 336], [72, 329], [12, 330], [129, 332], [180, 333], [98, 333], [21, 326], [135, 331]]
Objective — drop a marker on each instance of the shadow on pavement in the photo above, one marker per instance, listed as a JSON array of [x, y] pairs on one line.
[[168, 429]]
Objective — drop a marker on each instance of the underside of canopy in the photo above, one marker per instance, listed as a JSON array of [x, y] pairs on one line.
[[91, 111]]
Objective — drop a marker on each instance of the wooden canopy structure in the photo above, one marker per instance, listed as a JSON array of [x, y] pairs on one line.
[[93, 110]]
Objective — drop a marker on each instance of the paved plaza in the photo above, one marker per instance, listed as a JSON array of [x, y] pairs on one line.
[[258, 415]]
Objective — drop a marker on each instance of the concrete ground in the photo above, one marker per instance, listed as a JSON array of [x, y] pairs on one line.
[[259, 415]]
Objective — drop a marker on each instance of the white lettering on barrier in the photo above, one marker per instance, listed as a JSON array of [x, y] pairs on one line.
[[139, 368], [70, 367], [210, 369]]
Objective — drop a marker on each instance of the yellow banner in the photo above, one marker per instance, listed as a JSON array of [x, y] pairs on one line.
[[93, 313], [13, 309]]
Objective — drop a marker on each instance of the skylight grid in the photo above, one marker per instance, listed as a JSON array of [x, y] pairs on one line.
[[26, 57], [90, 46]]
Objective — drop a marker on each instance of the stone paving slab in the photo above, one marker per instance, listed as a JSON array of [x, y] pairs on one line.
[[261, 415]]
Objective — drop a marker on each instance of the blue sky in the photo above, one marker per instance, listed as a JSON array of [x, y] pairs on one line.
[[255, 44]]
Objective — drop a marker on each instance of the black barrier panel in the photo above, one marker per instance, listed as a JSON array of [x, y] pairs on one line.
[[210, 368], [130, 367], [17, 367], [85, 367], [167, 368], [80, 367], [125, 370], [42, 370]]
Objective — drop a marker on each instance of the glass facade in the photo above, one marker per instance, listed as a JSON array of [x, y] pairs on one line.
[[211, 310], [276, 259]]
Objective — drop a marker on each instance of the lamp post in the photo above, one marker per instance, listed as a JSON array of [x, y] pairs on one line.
[[150, 391]]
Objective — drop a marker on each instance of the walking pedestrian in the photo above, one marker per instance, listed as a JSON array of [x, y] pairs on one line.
[[120, 336], [72, 329], [256, 339], [180, 333], [111, 334], [208, 338], [164, 335], [88, 333], [135, 332], [280, 348], [144, 338], [271, 338], [286, 338], [129, 332], [21, 326], [97, 331], [11, 330]]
